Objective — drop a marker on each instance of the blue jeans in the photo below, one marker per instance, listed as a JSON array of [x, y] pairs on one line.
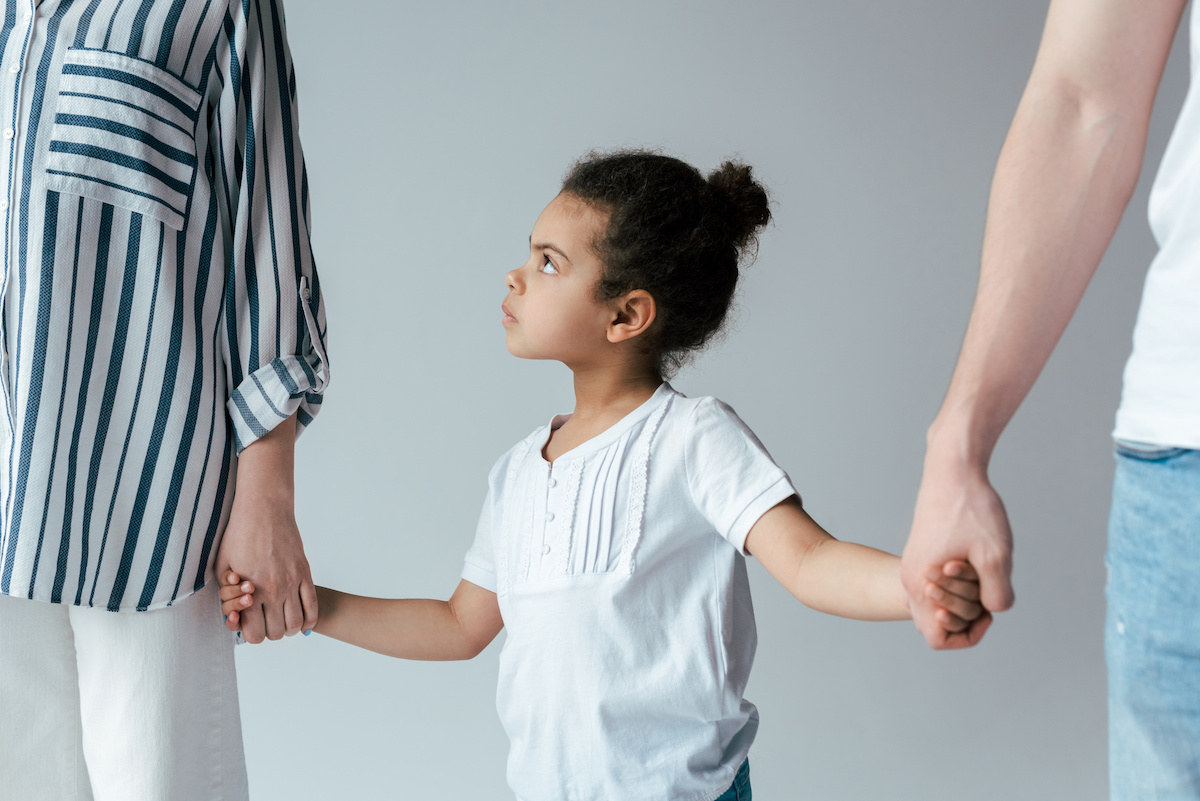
[[740, 789], [1152, 633]]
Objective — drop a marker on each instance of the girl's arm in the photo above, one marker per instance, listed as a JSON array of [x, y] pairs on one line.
[[408, 628], [843, 578]]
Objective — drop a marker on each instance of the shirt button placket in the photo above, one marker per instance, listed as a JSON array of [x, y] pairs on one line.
[[550, 535], [10, 97]]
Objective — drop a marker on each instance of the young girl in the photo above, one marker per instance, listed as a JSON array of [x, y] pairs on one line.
[[612, 540]]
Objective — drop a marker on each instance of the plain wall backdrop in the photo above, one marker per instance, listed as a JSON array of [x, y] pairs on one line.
[[436, 132]]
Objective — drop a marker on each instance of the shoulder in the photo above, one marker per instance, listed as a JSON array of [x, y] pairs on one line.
[[706, 414], [712, 432], [703, 427]]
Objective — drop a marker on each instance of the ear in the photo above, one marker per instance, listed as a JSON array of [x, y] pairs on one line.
[[633, 314]]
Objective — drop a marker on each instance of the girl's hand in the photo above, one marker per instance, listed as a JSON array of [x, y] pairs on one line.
[[235, 596], [955, 590]]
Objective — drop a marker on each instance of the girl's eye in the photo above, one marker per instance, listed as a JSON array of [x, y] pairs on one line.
[[548, 267]]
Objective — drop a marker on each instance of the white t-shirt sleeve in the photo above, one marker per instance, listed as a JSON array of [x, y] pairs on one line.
[[479, 565], [732, 478]]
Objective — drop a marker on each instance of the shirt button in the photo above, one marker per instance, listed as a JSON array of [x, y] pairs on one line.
[[14, 69], [550, 516], [545, 549], [553, 483], [9, 133], [3, 205]]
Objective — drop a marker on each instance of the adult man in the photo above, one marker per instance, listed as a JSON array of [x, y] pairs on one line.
[[161, 313], [1064, 177]]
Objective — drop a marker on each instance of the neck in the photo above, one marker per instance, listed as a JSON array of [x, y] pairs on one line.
[[601, 392]]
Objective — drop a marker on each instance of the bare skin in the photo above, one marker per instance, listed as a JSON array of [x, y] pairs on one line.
[[262, 542], [1064, 177]]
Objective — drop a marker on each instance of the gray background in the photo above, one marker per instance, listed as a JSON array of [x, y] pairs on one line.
[[435, 133]]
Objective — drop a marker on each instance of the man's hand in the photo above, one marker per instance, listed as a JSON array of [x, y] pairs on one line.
[[262, 543], [958, 516]]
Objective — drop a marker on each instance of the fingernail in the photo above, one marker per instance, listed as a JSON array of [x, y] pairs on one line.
[[245, 586], [308, 632], [935, 593]]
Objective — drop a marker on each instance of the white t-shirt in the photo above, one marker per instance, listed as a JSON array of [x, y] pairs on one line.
[[1160, 402], [621, 577]]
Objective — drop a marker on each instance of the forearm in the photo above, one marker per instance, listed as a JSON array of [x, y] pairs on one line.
[[840, 578], [266, 467], [1063, 180], [408, 628], [850, 580]]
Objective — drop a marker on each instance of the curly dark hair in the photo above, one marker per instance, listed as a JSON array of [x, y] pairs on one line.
[[674, 234]]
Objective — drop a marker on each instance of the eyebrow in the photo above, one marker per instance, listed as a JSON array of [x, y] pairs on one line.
[[548, 246]]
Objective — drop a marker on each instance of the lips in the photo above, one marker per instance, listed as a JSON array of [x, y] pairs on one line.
[[508, 315]]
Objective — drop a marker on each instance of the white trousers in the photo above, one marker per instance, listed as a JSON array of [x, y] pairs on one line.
[[119, 706]]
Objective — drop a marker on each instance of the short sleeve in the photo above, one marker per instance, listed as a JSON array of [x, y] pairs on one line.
[[732, 478], [479, 565]]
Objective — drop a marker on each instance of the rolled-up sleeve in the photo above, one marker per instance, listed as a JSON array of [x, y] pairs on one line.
[[273, 321]]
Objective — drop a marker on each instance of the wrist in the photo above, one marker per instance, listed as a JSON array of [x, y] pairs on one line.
[[958, 443], [259, 493]]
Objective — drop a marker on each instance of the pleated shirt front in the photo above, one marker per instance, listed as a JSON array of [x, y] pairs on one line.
[[161, 309]]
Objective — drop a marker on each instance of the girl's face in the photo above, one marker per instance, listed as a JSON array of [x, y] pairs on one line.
[[551, 311]]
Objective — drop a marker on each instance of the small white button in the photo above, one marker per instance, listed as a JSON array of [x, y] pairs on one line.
[[3, 205], [9, 133], [553, 482], [550, 516], [545, 549], [14, 69]]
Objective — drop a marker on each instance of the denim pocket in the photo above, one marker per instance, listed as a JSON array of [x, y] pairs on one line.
[[124, 134], [1146, 451]]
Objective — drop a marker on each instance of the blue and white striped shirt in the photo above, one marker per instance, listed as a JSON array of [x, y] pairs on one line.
[[161, 309]]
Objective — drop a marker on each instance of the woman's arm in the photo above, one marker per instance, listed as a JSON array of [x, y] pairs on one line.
[[844, 578], [407, 628]]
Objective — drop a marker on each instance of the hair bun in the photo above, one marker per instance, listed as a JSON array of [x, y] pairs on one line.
[[741, 201]]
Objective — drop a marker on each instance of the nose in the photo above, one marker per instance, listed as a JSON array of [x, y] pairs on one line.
[[513, 280]]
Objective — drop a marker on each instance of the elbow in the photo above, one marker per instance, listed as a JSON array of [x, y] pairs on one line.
[[473, 646], [1102, 114]]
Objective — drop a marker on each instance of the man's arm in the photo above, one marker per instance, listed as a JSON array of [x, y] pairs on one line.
[[1066, 172]]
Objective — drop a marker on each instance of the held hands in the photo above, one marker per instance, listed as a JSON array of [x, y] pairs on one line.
[[262, 541], [237, 596], [953, 592], [959, 518]]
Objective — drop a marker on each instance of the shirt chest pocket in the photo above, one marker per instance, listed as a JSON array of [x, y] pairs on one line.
[[124, 133]]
